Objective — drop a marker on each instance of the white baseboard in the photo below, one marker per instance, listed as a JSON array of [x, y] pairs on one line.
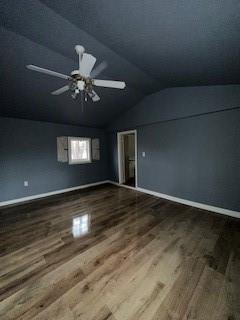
[[121, 185], [203, 206], [47, 194]]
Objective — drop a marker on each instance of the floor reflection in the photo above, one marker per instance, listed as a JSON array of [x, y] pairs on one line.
[[81, 225]]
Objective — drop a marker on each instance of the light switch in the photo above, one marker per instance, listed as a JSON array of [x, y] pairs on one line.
[[143, 154], [25, 183]]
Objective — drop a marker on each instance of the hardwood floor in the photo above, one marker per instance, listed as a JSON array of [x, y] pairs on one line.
[[111, 253]]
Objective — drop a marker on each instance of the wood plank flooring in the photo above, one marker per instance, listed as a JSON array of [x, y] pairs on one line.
[[111, 253]]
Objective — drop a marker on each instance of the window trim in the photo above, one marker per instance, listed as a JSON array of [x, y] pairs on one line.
[[70, 161]]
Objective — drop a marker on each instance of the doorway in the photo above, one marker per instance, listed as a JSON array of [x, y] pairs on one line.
[[127, 158]]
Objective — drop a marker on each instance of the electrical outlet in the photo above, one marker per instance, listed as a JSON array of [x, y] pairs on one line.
[[143, 154], [25, 183]]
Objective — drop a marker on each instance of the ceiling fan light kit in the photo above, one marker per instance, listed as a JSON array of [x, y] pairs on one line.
[[81, 81]]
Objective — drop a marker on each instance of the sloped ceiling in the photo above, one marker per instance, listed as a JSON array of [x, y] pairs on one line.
[[150, 44]]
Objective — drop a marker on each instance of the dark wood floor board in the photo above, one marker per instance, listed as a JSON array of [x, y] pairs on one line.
[[110, 253]]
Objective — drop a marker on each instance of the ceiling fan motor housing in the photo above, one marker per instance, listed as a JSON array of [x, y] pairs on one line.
[[75, 73]]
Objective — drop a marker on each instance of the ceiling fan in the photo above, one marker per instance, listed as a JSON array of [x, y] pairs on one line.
[[82, 80]]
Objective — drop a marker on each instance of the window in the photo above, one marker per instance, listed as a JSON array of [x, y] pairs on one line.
[[79, 150]]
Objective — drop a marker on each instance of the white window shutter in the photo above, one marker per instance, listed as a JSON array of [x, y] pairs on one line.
[[62, 149], [95, 149]]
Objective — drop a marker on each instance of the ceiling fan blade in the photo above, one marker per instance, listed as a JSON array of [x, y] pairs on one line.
[[99, 69], [95, 97], [49, 72], [87, 64], [60, 90], [109, 84]]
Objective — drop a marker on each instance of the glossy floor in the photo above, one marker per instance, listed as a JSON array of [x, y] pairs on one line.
[[111, 253]]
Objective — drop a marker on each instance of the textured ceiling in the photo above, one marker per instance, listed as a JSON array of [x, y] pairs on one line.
[[150, 44]]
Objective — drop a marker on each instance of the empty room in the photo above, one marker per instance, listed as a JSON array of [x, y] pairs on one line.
[[120, 160]]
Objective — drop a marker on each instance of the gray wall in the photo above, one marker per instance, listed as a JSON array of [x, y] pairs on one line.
[[191, 139], [28, 151]]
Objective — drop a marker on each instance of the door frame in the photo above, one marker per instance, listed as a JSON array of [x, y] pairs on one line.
[[121, 158]]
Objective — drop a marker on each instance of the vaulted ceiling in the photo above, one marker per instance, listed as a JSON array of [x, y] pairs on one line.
[[149, 44]]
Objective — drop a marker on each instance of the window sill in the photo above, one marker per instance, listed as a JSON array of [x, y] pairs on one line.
[[79, 162]]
